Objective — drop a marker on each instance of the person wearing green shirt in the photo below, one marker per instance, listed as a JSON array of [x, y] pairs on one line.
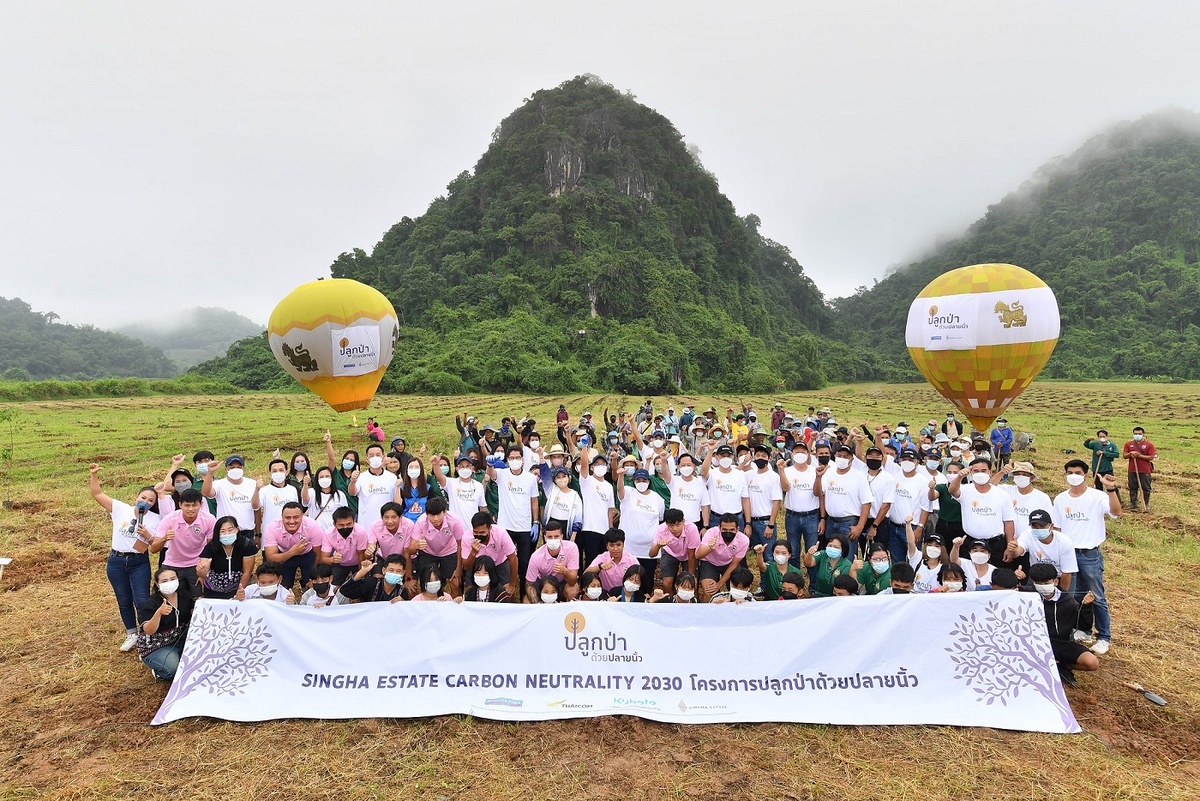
[[829, 563], [1103, 453], [345, 471], [949, 523], [770, 576], [876, 575], [204, 461]]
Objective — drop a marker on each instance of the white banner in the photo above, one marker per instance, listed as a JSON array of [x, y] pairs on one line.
[[355, 349], [963, 322], [968, 659]]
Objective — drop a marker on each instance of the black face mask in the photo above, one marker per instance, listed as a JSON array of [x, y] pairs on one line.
[[728, 536], [320, 588], [874, 464], [823, 460], [482, 540], [346, 532], [898, 591], [761, 464]]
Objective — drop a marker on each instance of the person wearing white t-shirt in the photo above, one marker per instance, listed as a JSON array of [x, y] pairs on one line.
[[599, 504], [1079, 513], [237, 496], [987, 512], [273, 496], [641, 512], [883, 493], [563, 504], [517, 512], [1026, 499], [727, 489], [846, 498], [802, 509], [910, 501], [766, 495], [689, 493], [324, 499], [465, 496], [1043, 543], [374, 488]]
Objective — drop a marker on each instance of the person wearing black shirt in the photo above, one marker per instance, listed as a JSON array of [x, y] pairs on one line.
[[165, 619], [1063, 616], [372, 584], [227, 562]]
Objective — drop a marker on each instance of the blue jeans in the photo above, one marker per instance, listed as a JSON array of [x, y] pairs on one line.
[[129, 576], [896, 541], [1091, 579], [801, 534], [305, 563], [758, 536], [163, 662]]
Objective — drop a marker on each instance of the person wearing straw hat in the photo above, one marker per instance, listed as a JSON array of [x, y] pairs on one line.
[[1025, 497]]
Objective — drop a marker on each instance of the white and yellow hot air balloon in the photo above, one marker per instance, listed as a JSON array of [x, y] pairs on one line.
[[981, 334], [336, 337]]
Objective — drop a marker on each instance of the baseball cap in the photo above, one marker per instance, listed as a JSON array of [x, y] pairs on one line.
[[235, 459], [724, 450], [1040, 517], [641, 473], [908, 453]]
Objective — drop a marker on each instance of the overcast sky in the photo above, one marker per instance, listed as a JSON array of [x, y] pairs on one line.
[[158, 155]]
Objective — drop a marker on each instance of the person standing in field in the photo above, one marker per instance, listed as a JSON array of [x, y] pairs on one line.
[[1002, 441], [1104, 452], [1141, 454], [236, 495]]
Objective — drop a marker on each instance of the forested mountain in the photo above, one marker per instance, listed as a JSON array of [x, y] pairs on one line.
[[195, 335], [1114, 229], [34, 347]]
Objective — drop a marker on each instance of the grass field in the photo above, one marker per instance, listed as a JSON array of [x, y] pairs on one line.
[[74, 709]]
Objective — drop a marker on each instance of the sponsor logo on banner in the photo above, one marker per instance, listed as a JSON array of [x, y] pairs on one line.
[[512, 703], [355, 350], [606, 647]]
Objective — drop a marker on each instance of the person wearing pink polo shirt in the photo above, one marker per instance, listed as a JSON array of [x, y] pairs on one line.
[[435, 539], [391, 531], [345, 546], [612, 565], [720, 553], [185, 533], [289, 543], [557, 558], [675, 543], [493, 542]]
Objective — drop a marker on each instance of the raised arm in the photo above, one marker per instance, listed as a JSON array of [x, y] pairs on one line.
[[94, 486]]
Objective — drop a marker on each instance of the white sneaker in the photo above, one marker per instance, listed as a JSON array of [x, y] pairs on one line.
[[1080, 636], [1100, 648], [130, 641]]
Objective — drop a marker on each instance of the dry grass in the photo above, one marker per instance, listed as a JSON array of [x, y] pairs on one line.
[[75, 710]]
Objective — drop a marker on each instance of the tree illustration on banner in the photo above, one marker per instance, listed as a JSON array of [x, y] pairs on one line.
[[226, 652], [1005, 652]]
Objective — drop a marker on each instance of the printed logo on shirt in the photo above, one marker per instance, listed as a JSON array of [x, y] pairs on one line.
[[1078, 515], [982, 511]]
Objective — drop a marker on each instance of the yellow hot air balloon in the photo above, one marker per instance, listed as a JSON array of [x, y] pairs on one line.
[[336, 337], [981, 334]]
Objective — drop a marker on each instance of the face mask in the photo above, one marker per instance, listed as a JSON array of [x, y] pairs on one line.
[[229, 539], [1042, 534], [549, 597], [183, 486], [375, 462], [980, 478], [234, 474], [980, 558], [445, 469], [414, 472], [349, 464], [169, 586], [516, 464], [956, 452], [1045, 590], [933, 464], [884, 440], [841, 463], [301, 465], [874, 464], [799, 458], [1138, 437], [1103, 440], [320, 587], [880, 567], [761, 464], [1022, 481], [950, 476], [822, 460], [908, 465], [953, 586], [433, 586], [594, 592], [553, 543], [269, 590], [725, 462], [728, 536], [833, 553], [278, 478], [739, 595], [1002, 426], [599, 470], [534, 444], [393, 578], [658, 443], [933, 551], [465, 472], [202, 469], [781, 558], [685, 595], [686, 470], [345, 531], [1074, 479], [641, 486]]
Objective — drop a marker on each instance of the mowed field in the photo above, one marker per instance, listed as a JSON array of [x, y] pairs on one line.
[[74, 711]]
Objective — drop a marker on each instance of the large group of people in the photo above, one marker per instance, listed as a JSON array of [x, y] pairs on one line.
[[694, 507]]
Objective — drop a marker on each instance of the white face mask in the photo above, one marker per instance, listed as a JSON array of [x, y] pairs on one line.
[[269, 590], [234, 473], [841, 463], [324, 482], [1022, 481], [278, 478], [1138, 437], [1075, 479], [799, 458], [594, 592], [908, 465], [686, 470], [980, 558], [933, 551], [739, 594], [414, 472], [1045, 590], [433, 586], [375, 462], [686, 595], [980, 478], [465, 472], [658, 443], [534, 444], [641, 486], [956, 452], [953, 586], [516, 464], [600, 470], [168, 587], [482, 579], [631, 587], [553, 543], [781, 558], [725, 462], [549, 598]]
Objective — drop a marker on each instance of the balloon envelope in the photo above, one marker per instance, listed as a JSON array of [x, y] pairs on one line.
[[336, 337], [981, 334]]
